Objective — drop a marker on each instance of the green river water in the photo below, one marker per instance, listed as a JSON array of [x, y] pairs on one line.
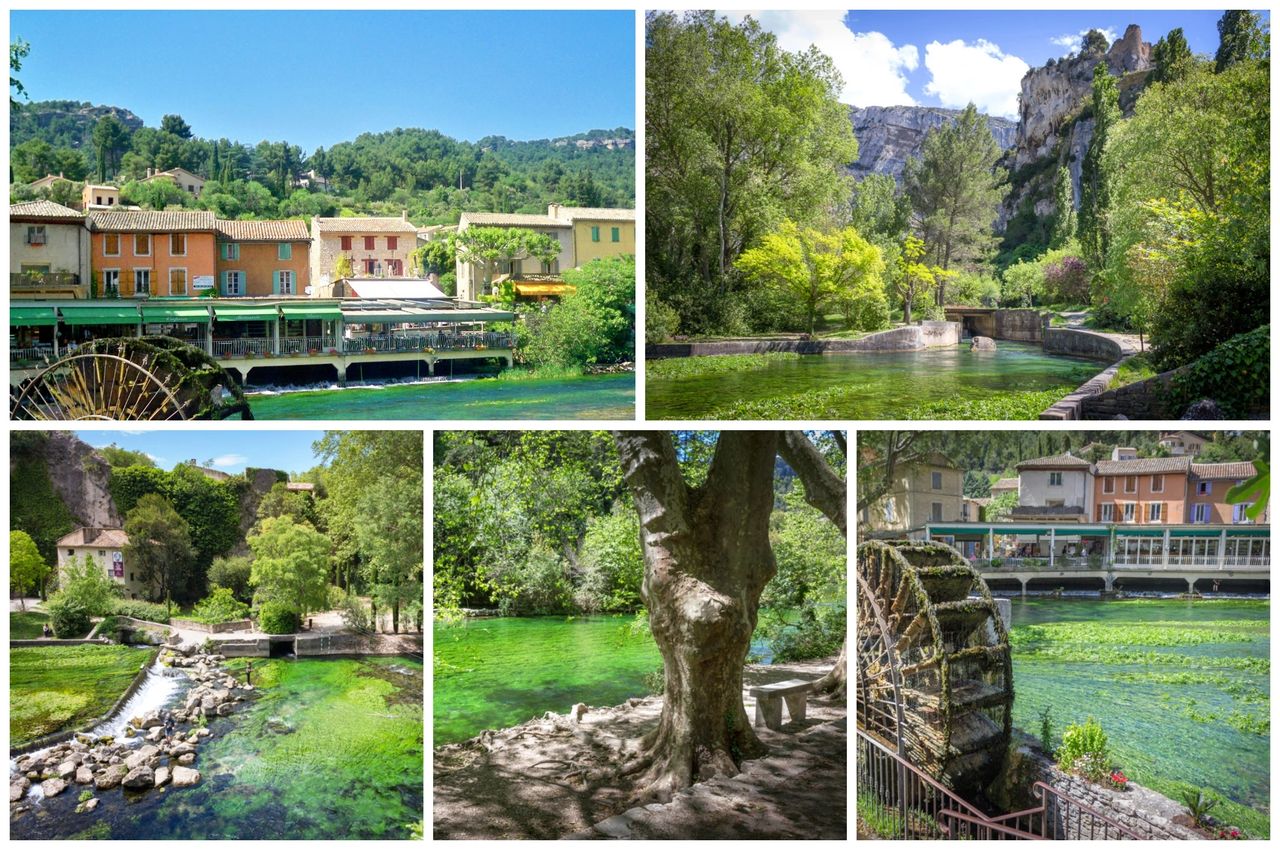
[[873, 385], [330, 748], [586, 397], [1181, 689]]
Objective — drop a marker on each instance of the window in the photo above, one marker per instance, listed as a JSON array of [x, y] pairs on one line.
[[110, 281], [1200, 513], [1108, 485], [1107, 513], [230, 251], [935, 511], [595, 233], [1157, 484], [964, 512], [1238, 514], [1155, 511], [142, 282], [177, 244], [394, 267], [177, 281], [615, 234], [937, 480], [233, 283], [35, 234], [1204, 488], [368, 242], [284, 251], [142, 244], [392, 242], [1055, 479], [111, 244], [1131, 483], [286, 283], [890, 510], [346, 243], [1130, 509], [370, 266]]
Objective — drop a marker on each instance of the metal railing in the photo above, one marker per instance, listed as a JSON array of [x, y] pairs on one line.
[[404, 342], [29, 356], [306, 344], [242, 347], [43, 279], [1121, 561], [1063, 818]]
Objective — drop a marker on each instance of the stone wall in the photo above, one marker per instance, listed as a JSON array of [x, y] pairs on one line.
[[1140, 400], [1139, 809], [257, 648], [1072, 406], [909, 338], [213, 628], [326, 644], [1019, 325], [1079, 343]]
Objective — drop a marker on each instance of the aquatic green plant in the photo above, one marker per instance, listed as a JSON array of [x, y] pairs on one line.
[[55, 687], [719, 364]]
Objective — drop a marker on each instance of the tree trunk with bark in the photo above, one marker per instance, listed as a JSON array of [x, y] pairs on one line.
[[707, 558]]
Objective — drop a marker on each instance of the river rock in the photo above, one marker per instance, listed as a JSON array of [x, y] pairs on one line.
[[225, 709], [111, 777], [202, 732], [181, 750], [67, 769], [90, 804], [53, 787], [128, 732], [156, 733], [152, 720], [162, 776], [279, 726], [140, 777], [208, 705], [187, 760], [84, 775], [84, 739], [185, 776], [982, 343], [575, 713], [141, 757], [18, 788]]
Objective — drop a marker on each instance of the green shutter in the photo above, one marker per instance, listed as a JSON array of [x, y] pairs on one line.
[[616, 234], [284, 251], [595, 233], [222, 250], [275, 283], [222, 283]]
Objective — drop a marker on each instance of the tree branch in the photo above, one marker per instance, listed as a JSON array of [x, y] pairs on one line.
[[823, 488]]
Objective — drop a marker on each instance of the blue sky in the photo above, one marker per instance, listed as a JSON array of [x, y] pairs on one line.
[[947, 58], [318, 77], [229, 450]]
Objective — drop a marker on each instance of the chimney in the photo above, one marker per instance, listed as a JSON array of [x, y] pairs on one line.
[[553, 211], [150, 171], [404, 215]]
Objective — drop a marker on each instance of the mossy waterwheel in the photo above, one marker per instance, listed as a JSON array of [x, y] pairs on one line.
[[130, 379], [934, 674]]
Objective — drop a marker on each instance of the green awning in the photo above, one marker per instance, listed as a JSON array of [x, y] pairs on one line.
[[33, 316], [245, 312], [1139, 532], [1195, 532], [101, 314], [166, 313], [1263, 531], [311, 311]]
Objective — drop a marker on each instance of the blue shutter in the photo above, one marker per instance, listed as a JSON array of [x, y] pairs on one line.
[[275, 283]]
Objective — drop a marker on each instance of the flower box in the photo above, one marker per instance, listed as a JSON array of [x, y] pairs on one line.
[[313, 352]]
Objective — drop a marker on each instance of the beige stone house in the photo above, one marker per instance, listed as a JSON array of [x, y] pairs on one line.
[[376, 247], [48, 251], [106, 548]]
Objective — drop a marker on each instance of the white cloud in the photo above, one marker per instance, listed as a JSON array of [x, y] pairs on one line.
[[1070, 43], [874, 68], [979, 73], [226, 461]]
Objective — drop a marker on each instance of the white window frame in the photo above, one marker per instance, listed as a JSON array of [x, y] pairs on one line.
[[236, 287], [1200, 513], [137, 292], [288, 283], [1107, 512], [1155, 512], [33, 230], [105, 239], [1157, 479], [183, 253], [1109, 484], [1127, 478], [1238, 516], [1055, 479], [110, 287], [1130, 512], [150, 242]]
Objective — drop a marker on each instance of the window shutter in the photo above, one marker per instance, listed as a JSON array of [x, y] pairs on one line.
[[222, 282], [275, 283]]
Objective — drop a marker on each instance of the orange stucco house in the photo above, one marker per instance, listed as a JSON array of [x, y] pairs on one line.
[[144, 253], [263, 258], [1143, 491]]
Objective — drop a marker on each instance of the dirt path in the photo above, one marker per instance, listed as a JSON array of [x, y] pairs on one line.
[[555, 777]]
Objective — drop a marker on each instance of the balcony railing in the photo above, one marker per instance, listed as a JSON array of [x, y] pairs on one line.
[[400, 343], [43, 280], [1122, 561], [241, 347], [28, 357]]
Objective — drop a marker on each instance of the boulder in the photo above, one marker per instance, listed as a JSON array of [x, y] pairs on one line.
[[111, 777], [84, 738], [208, 705], [140, 777], [181, 749], [53, 787], [202, 732], [84, 775], [575, 713], [155, 734], [152, 720], [225, 709], [162, 776], [90, 804], [66, 770], [982, 343], [185, 776], [18, 789], [141, 757], [187, 760]]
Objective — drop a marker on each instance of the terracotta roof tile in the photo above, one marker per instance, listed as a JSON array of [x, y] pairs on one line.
[[1144, 466], [151, 221], [43, 210], [487, 219], [104, 538], [1237, 470], [282, 230], [601, 213], [364, 225], [1062, 461]]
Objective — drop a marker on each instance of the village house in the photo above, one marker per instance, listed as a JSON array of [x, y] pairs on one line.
[[926, 490], [145, 253], [46, 182], [375, 247], [1141, 491], [192, 184], [104, 547], [48, 251], [263, 258], [1058, 488], [99, 196], [1179, 443], [1207, 492]]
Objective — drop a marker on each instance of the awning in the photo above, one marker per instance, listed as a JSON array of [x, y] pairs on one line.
[[1139, 532], [410, 315], [544, 288], [101, 314], [175, 313], [33, 316], [311, 311], [393, 288], [245, 312], [1195, 532]]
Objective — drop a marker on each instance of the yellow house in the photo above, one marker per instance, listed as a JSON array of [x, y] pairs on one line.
[[99, 195], [927, 490], [598, 231]]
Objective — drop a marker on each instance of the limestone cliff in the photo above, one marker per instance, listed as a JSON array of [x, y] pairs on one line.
[[889, 135], [79, 475]]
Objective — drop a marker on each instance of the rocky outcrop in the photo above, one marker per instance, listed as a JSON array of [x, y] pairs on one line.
[[80, 476], [889, 135]]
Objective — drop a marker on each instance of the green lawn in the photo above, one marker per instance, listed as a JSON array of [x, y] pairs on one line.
[[1136, 368], [27, 625], [55, 687]]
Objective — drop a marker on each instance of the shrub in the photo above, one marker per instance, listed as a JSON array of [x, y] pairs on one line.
[[1067, 280], [84, 580], [818, 633], [275, 618], [1084, 750], [70, 619], [233, 573], [661, 321], [337, 597], [1198, 804], [220, 606], [139, 610], [1236, 374], [356, 614]]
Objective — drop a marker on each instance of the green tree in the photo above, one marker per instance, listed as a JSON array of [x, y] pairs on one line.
[[1171, 57], [878, 210], [954, 189], [1064, 219], [175, 125], [18, 50], [295, 504], [611, 562], [594, 324], [819, 269], [1094, 43], [82, 580], [1023, 284], [1095, 179], [119, 458], [389, 537], [27, 567], [1240, 39], [914, 278], [233, 573], [159, 548], [488, 248], [110, 139], [290, 565]]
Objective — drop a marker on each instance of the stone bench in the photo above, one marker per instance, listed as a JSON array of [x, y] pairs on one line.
[[769, 699]]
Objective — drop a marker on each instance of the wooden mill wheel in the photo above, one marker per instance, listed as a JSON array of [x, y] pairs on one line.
[[129, 379], [934, 673]]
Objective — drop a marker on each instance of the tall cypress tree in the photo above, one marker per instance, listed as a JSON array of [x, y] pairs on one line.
[[1095, 188], [1064, 223], [1239, 38]]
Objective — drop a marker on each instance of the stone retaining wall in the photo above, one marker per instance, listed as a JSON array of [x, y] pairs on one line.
[[212, 628], [326, 644], [909, 338], [241, 648], [1019, 325], [57, 642], [1079, 343], [1146, 399]]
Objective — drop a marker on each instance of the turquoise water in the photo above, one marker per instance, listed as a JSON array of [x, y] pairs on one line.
[[878, 385], [329, 748], [586, 397], [1181, 689]]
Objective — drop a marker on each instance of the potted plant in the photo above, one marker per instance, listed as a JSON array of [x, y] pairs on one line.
[[313, 352]]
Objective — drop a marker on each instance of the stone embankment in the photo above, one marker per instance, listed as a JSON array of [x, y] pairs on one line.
[[167, 752], [1108, 348], [906, 338]]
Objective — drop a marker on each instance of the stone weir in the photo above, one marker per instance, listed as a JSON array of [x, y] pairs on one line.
[[907, 338], [158, 748]]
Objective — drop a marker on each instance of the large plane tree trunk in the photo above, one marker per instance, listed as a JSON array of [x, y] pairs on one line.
[[707, 559], [825, 490]]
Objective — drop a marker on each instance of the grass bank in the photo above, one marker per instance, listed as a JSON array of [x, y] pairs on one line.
[[27, 625], [52, 688]]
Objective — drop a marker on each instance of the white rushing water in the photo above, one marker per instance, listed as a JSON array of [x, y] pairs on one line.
[[374, 384]]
